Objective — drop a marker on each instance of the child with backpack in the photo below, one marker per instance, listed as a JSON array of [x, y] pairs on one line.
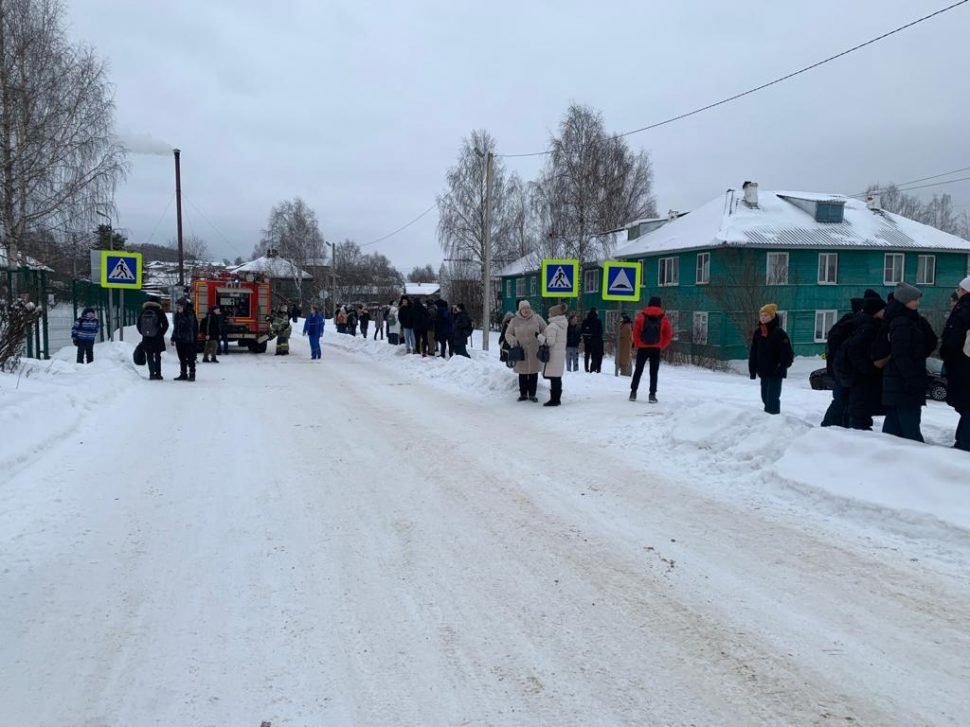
[[652, 333], [83, 334]]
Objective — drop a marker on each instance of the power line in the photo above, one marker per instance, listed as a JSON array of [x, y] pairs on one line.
[[218, 231], [404, 227], [935, 184], [763, 86], [165, 212], [922, 179]]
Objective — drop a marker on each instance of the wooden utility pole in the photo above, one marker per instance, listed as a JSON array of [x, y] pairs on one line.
[[487, 257]]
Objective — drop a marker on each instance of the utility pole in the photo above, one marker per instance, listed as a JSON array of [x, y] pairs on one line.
[[487, 257], [333, 279], [178, 214]]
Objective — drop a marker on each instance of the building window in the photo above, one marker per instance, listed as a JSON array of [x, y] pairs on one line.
[[824, 320], [700, 328], [591, 281], [777, 268], [782, 319], [674, 317], [643, 269], [893, 269], [520, 288], [829, 212], [926, 270], [828, 268], [668, 272], [703, 268], [533, 282]]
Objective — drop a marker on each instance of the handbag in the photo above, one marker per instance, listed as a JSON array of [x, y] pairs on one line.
[[516, 354], [543, 353], [138, 356]]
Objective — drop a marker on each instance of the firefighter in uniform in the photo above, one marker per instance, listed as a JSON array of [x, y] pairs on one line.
[[282, 329]]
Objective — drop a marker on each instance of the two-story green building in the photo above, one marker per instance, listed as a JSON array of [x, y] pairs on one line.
[[809, 253]]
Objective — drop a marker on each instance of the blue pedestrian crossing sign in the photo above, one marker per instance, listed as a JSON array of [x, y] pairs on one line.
[[559, 278], [622, 281], [121, 269]]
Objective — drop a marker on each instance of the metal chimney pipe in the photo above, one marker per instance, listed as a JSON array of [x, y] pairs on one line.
[[178, 214]]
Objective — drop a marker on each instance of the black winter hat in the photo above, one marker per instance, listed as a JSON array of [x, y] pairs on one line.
[[871, 305], [870, 293], [857, 303], [655, 301]]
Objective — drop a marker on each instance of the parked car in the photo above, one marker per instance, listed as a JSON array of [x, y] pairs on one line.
[[820, 380]]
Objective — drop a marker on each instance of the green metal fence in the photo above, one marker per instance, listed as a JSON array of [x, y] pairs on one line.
[[61, 299]]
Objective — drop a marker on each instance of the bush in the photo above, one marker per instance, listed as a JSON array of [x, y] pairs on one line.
[[16, 321]]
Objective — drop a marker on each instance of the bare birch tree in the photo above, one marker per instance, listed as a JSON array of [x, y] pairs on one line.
[[294, 232], [592, 183], [59, 158]]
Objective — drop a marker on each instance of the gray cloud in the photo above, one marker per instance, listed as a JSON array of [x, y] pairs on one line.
[[360, 107]]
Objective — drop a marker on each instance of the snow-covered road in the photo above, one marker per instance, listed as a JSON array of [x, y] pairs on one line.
[[343, 543]]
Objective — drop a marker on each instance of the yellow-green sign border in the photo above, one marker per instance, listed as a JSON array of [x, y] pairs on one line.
[[574, 264], [637, 285], [105, 254]]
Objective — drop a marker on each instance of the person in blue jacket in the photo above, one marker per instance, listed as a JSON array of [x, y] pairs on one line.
[[313, 329], [83, 333]]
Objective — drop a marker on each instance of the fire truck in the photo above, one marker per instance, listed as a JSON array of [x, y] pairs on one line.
[[245, 299]]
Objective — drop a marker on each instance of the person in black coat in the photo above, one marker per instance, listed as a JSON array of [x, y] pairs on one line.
[[444, 329], [213, 329], [152, 325], [911, 339], [953, 351], [592, 334], [837, 413], [185, 329], [855, 370], [462, 328], [770, 357], [422, 323]]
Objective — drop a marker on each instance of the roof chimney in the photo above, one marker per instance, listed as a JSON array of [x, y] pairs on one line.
[[750, 194], [874, 202]]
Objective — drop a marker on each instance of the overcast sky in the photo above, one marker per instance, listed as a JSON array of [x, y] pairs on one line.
[[360, 107]]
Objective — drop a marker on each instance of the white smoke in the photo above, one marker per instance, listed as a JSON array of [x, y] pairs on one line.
[[144, 143]]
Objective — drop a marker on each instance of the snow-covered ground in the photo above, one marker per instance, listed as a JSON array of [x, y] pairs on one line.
[[380, 539]]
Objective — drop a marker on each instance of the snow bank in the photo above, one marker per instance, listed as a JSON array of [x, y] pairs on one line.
[[710, 425], [44, 401]]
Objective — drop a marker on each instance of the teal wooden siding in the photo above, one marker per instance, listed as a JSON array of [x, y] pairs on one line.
[[738, 280]]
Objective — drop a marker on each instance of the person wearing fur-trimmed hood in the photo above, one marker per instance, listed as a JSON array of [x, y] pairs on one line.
[[523, 330], [555, 337]]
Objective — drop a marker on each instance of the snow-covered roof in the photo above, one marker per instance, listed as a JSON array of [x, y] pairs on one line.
[[525, 264], [422, 288], [274, 267], [25, 261], [777, 221]]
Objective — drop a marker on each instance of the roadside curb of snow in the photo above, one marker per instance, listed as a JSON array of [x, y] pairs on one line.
[[48, 400]]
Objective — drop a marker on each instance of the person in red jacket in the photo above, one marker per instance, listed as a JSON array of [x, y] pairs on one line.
[[652, 333]]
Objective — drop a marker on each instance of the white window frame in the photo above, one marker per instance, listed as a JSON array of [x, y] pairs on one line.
[[533, 285], [668, 271], [702, 273], [832, 315], [674, 317], [769, 268], [520, 287], [886, 280], [696, 321], [591, 280], [823, 268], [782, 316], [921, 269]]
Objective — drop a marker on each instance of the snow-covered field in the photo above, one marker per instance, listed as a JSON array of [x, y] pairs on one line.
[[380, 539]]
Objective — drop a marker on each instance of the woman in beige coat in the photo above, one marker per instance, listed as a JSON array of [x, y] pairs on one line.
[[523, 331], [624, 347]]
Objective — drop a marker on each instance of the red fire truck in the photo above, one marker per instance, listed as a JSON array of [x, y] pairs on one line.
[[245, 299]]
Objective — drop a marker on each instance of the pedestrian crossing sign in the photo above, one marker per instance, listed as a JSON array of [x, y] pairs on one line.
[[622, 281], [121, 269], [559, 278]]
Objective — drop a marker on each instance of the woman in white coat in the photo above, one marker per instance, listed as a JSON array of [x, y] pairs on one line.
[[393, 324], [555, 338]]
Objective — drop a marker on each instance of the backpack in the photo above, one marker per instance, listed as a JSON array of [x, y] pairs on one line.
[[650, 331], [149, 324]]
